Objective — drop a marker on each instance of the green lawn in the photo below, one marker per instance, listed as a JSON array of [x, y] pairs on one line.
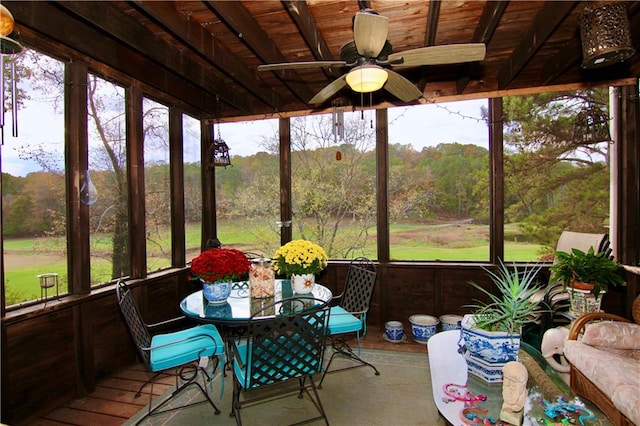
[[25, 258]]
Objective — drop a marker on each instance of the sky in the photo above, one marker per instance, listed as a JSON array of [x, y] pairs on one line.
[[420, 126]]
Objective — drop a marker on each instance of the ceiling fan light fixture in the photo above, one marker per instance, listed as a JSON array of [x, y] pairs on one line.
[[367, 78]]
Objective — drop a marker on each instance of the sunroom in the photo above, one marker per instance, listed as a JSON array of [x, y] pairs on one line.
[[138, 134]]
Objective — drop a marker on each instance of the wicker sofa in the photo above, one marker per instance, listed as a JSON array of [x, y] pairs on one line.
[[604, 353]]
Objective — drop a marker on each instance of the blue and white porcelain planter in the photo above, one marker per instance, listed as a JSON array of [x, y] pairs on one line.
[[216, 292], [486, 352]]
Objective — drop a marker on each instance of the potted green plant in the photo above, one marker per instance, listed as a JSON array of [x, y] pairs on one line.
[[492, 333], [586, 270], [586, 275]]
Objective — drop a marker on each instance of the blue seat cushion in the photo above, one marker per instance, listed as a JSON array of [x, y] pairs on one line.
[[341, 321], [191, 344]]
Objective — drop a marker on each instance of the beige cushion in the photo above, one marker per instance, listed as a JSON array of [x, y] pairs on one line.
[[612, 334], [613, 374]]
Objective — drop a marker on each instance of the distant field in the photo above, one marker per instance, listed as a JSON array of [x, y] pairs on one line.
[[24, 259]]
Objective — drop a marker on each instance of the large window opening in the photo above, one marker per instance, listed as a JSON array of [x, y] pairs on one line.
[[248, 191], [108, 208], [33, 181], [438, 182], [192, 185], [557, 169], [155, 122], [334, 183]]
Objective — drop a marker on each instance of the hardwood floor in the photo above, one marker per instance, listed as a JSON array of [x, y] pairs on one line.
[[113, 402]]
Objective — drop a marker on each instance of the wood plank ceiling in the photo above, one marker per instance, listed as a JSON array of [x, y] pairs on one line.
[[207, 52]]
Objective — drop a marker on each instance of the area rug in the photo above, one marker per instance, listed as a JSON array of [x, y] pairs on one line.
[[400, 395]]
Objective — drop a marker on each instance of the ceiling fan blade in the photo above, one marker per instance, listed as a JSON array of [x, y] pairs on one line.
[[440, 55], [329, 90], [370, 33], [301, 65], [401, 88]]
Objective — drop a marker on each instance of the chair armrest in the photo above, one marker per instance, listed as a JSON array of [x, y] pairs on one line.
[[579, 324], [167, 322]]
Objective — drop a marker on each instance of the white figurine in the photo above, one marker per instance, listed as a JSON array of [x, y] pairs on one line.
[[514, 392]]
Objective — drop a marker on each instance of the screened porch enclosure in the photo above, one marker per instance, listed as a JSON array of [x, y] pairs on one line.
[[174, 76]]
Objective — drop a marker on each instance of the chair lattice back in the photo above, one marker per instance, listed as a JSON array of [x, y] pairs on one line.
[[138, 329], [358, 291], [286, 346]]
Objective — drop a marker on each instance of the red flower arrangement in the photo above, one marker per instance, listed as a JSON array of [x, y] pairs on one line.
[[219, 264]]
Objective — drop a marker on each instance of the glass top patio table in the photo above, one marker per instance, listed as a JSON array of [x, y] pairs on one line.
[[239, 306]]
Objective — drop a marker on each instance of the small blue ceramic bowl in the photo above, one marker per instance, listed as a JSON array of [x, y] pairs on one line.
[[393, 331], [423, 327], [450, 322]]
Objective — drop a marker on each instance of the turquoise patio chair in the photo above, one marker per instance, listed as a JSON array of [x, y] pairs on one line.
[[350, 315], [284, 344], [181, 354]]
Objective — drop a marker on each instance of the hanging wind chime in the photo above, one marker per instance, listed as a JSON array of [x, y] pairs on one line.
[[337, 121], [9, 45], [219, 149]]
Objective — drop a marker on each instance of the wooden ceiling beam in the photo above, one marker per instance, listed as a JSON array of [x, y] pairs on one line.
[[432, 23], [210, 49], [545, 22], [491, 15], [238, 18], [126, 30], [308, 27], [429, 37], [78, 36]]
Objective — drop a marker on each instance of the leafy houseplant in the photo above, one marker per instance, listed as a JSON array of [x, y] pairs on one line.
[[577, 267], [491, 335], [299, 257], [512, 307], [220, 264]]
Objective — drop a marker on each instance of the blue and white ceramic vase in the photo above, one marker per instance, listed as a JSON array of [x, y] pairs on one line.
[[486, 352], [216, 292]]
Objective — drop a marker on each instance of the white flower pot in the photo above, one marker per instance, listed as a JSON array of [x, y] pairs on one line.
[[486, 352], [302, 284]]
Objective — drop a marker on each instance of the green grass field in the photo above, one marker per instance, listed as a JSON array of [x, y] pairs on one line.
[[25, 259]]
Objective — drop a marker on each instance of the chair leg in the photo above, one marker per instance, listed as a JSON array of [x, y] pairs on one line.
[[342, 348], [189, 377], [235, 403]]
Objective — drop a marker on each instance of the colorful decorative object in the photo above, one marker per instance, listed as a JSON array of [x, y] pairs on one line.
[[299, 257], [454, 392]]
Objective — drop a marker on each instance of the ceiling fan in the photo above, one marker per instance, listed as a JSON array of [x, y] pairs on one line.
[[370, 58]]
